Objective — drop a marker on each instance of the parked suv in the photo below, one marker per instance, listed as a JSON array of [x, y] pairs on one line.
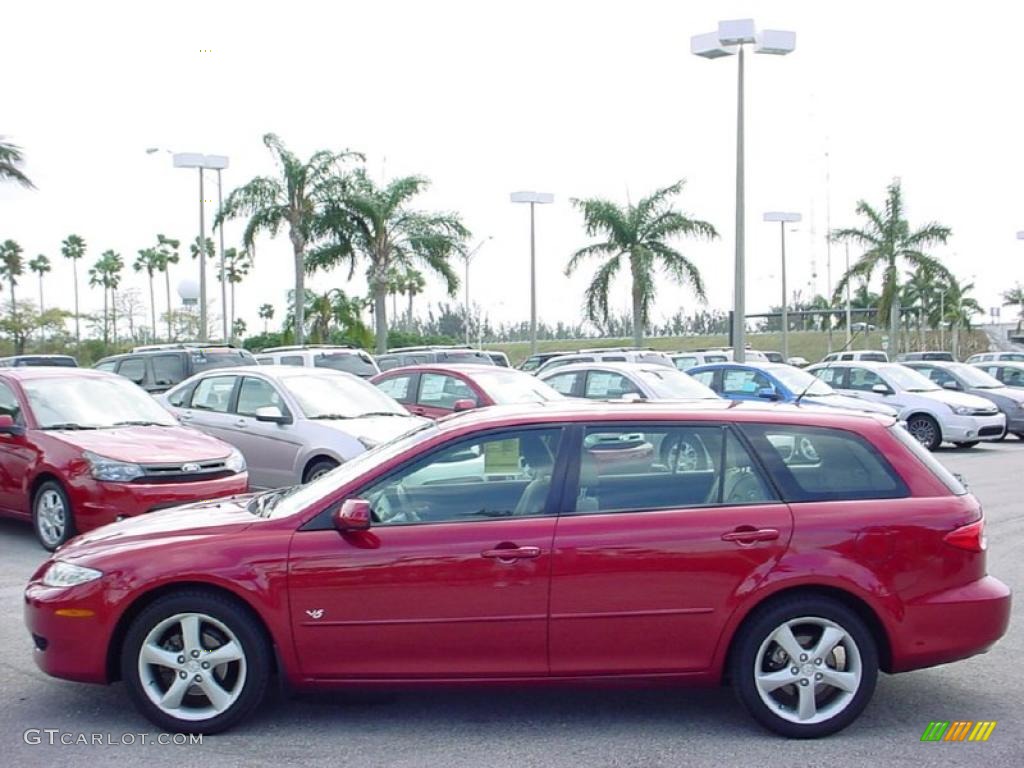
[[569, 548], [933, 415], [156, 369], [996, 357], [348, 359], [402, 356], [938, 355], [684, 361]]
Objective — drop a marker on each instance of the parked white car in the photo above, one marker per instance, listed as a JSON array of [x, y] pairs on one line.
[[617, 381], [684, 361], [335, 358], [996, 357], [933, 415], [860, 355], [605, 355]]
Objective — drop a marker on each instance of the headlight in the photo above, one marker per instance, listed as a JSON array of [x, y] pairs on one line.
[[235, 461], [368, 442], [961, 410], [62, 574], [112, 470]]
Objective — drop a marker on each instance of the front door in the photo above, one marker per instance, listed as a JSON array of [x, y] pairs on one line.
[[668, 525], [17, 453], [271, 450], [452, 578]]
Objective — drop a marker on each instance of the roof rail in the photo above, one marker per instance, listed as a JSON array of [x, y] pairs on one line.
[[184, 345], [301, 347], [431, 348], [597, 350]]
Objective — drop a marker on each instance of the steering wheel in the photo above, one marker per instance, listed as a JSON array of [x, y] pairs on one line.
[[395, 506], [745, 488]]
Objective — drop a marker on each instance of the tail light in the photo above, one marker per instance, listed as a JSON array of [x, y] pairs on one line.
[[970, 537]]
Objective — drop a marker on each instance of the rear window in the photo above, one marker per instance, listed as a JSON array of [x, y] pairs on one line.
[[357, 363], [59, 361], [715, 359], [873, 357], [465, 357], [820, 464], [206, 359], [948, 479], [168, 369]]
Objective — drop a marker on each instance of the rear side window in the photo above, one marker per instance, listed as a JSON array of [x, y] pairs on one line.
[[715, 359], [948, 479], [821, 464], [133, 369], [168, 369], [265, 360], [206, 359], [109, 365], [684, 363], [874, 357], [292, 360]]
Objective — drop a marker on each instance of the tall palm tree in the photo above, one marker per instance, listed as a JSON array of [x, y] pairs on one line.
[[888, 240], [40, 265], [236, 266], [73, 248], [364, 221], [266, 313], [295, 197], [211, 251], [637, 235], [149, 261], [1015, 296], [10, 159], [959, 308], [167, 254], [116, 265], [105, 274], [11, 267], [414, 285]]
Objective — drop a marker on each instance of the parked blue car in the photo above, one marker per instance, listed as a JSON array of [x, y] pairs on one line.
[[778, 382]]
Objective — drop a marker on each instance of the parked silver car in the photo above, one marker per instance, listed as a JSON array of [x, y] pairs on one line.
[[291, 424], [616, 381]]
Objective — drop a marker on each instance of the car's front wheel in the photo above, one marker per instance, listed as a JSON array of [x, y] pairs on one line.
[[52, 517], [968, 444], [925, 430], [195, 662], [805, 667]]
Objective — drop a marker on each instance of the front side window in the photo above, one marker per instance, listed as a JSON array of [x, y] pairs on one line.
[[256, 393], [438, 390], [939, 376], [565, 383], [863, 380], [831, 376], [9, 405], [500, 475], [213, 394], [821, 464], [608, 385], [645, 467], [107, 366], [1013, 377], [292, 360], [401, 388], [685, 363], [739, 381]]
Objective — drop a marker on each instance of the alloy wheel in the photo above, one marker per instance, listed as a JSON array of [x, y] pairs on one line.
[[52, 517]]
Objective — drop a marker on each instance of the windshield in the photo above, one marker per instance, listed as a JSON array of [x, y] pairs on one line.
[[324, 395], [531, 364], [299, 497], [668, 383], [975, 377], [207, 359], [358, 363], [75, 402], [801, 382], [908, 380], [506, 386]]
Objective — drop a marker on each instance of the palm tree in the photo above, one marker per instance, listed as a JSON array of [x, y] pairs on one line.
[[236, 267], [11, 267], [40, 265], [958, 307], [73, 248], [375, 223], [414, 285], [193, 248], [920, 290], [266, 313], [149, 261], [1015, 296], [295, 198], [637, 233], [105, 273], [888, 239], [167, 254], [10, 159]]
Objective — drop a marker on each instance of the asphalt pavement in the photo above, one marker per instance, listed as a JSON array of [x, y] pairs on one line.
[[547, 727]]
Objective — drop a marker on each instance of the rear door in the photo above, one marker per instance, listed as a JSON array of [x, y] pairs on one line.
[[667, 524], [271, 450], [209, 407], [438, 393]]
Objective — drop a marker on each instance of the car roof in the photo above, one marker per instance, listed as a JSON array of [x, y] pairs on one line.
[[931, 363], [1008, 363], [758, 365], [54, 372], [468, 369], [870, 364], [616, 365], [273, 371]]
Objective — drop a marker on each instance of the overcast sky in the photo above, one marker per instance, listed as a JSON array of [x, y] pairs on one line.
[[578, 98]]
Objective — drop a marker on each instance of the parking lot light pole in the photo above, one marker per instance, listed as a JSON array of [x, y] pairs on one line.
[[533, 198], [783, 219], [728, 40]]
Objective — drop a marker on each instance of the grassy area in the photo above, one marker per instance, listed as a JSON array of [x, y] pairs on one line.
[[811, 345]]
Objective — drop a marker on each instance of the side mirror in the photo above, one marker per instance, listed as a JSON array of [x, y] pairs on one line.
[[950, 385], [352, 515], [767, 393], [464, 405], [8, 427], [881, 389], [273, 414], [632, 397]]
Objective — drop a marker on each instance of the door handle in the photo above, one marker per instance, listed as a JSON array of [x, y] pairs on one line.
[[749, 534], [241, 424], [185, 416], [511, 553]]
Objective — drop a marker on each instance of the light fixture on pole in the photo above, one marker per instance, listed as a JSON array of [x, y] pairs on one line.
[[783, 219], [730, 39], [469, 257], [533, 198]]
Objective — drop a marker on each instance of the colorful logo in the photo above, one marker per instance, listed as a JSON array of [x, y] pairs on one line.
[[958, 730]]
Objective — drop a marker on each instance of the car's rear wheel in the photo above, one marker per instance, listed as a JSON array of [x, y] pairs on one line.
[[925, 430], [968, 444], [195, 662], [52, 517], [318, 469], [805, 667]]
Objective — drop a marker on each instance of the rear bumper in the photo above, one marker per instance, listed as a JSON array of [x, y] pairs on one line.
[[952, 625]]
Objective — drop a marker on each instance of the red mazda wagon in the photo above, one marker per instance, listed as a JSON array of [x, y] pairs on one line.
[[551, 543]]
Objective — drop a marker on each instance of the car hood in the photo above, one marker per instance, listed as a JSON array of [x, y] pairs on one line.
[[1015, 395], [850, 403], [155, 445], [379, 429], [201, 518], [957, 399]]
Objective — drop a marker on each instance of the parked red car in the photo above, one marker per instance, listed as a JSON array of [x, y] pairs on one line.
[[81, 448], [493, 547], [439, 390]]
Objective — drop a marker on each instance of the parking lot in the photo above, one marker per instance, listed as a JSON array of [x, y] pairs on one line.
[[544, 727]]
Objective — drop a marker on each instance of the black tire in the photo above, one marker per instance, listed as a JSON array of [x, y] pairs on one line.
[[757, 631], [42, 519], [318, 468], [248, 634], [926, 425], [969, 443]]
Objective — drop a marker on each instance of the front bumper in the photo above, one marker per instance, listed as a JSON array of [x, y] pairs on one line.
[[952, 625], [99, 503], [965, 429], [70, 629]]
